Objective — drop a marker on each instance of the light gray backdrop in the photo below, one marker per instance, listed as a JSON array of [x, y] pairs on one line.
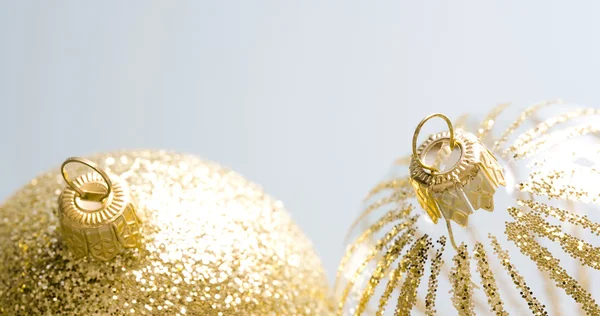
[[311, 99]]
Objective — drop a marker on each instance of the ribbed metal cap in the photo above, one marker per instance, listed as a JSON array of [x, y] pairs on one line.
[[98, 216]]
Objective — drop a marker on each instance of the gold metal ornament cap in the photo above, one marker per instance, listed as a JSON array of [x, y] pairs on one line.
[[97, 214], [463, 186]]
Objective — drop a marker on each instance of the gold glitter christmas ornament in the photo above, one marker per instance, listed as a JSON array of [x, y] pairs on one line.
[[151, 233], [538, 251]]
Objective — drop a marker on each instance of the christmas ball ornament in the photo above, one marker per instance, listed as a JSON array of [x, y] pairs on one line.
[[153, 232], [498, 217]]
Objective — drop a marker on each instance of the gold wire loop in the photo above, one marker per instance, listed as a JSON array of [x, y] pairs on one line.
[[416, 136], [91, 165]]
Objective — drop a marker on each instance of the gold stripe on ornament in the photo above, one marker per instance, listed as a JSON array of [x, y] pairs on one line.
[[548, 140], [389, 217], [446, 271], [582, 275], [474, 238], [382, 268], [394, 279], [402, 240], [551, 290], [577, 248], [462, 286], [557, 185], [544, 126], [516, 124], [436, 267], [394, 198], [562, 215], [488, 281], [488, 123], [400, 186], [414, 263], [544, 260], [582, 271], [534, 305]]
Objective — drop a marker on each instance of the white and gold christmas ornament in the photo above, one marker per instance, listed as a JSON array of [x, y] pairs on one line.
[[535, 250], [152, 233]]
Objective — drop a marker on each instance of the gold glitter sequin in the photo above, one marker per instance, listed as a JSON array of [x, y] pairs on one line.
[[382, 268], [436, 265], [488, 281], [213, 244], [397, 245], [577, 248], [460, 278], [562, 215], [392, 284], [413, 263], [545, 261], [534, 305], [554, 184]]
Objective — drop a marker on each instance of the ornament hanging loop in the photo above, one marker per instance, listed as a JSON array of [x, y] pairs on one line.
[[416, 136], [93, 166]]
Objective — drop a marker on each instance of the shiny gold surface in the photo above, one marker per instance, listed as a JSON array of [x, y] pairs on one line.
[[213, 244]]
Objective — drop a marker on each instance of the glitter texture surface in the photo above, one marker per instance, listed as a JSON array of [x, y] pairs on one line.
[[536, 253], [213, 244]]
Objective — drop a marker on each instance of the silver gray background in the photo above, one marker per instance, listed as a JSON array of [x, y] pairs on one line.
[[311, 99]]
